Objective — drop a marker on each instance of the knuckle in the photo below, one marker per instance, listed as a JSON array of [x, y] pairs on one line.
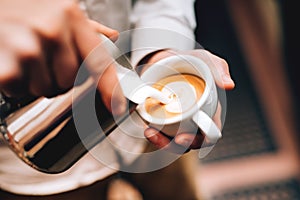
[[69, 7], [223, 63], [25, 46], [54, 25], [67, 11], [32, 51], [52, 31], [200, 53]]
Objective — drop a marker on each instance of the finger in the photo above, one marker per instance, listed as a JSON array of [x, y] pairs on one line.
[[100, 65], [39, 83], [111, 91], [11, 76], [221, 72], [34, 67], [217, 116], [189, 140], [65, 63], [156, 138], [19, 45], [86, 37], [163, 142], [108, 32], [218, 67]]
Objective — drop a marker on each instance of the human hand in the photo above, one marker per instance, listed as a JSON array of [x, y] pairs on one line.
[[188, 141], [43, 44]]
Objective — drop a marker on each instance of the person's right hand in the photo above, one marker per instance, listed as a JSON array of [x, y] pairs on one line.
[[43, 44]]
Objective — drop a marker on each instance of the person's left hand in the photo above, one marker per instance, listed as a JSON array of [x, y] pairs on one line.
[[221, 74]]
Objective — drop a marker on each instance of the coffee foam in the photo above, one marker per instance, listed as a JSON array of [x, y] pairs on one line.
[[184, 89], [183, 96]]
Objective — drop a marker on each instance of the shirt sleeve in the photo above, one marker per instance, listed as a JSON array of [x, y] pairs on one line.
[[161, 24]]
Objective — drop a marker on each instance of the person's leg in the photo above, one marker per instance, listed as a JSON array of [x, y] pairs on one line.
[[121, 189], [176, 181]]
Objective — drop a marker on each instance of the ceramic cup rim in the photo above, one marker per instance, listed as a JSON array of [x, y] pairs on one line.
[[203, 72]]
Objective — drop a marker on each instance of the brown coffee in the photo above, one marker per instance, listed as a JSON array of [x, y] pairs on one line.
[[184, 89]]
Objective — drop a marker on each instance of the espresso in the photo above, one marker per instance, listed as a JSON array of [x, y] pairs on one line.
[[184, 89]]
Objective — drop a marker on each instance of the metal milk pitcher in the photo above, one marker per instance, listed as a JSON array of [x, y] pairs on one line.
[[43, 134], [42, 131]]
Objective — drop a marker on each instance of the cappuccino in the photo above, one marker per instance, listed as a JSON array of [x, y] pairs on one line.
[[184, 89]]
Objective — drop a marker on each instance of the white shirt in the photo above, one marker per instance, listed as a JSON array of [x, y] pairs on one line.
[[174, 24]]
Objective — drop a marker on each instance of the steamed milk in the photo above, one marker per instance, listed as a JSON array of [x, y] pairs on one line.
[[184, 90]]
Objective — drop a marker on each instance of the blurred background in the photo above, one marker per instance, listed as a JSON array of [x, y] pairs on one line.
[[258, 156]]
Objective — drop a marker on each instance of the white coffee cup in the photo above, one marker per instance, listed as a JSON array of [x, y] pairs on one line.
[[199, 116]]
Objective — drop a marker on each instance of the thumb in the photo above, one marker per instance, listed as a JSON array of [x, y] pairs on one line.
[[108, 32]]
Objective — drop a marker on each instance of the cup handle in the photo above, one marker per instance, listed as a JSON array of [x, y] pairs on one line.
[[209, 129]]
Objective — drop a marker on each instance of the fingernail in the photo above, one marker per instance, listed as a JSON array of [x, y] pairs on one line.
[[184, 142], [227, 79], [151, 134]]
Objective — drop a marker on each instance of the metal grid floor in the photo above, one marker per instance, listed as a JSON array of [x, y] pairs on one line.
[[245, 132], [284, 190]]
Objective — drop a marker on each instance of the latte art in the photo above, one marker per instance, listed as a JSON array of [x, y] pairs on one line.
[[184, 90]]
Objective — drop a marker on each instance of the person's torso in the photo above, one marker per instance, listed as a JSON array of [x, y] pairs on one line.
[[112, 13]]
